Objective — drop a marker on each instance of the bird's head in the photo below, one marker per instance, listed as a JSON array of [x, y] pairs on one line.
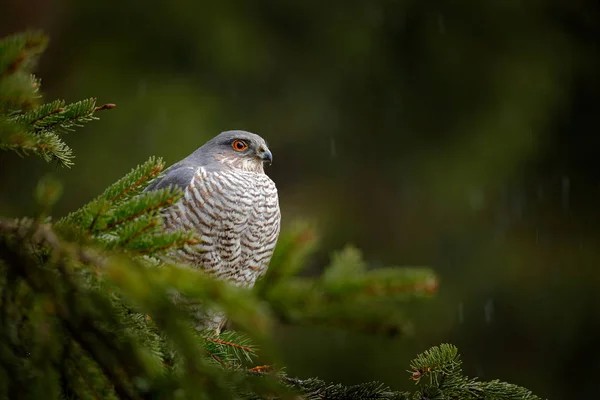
[[238, 149]]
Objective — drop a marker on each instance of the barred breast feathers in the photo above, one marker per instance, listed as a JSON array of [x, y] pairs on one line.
[[236, 216]]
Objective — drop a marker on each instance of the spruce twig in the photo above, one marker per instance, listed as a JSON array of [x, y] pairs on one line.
[[225, 343]]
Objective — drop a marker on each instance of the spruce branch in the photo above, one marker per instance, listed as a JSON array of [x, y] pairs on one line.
[[61, 117], [242, 308], [138, 229], [162, 243], [294, 246], [80, 382], [144, 204], [25, 127], [145, 237], [18, 52], [135, 181], [93, 322], [151, 294], [124, 189], [317, 389], [46, 145], [17, 93], [35, 83], [400, 283], [347, 294], [35, 131], [436, 363], [229, 348], [33, 117], [18, 56], [246, 349], [41, 234], [125, 217], [441, 365], [75, 316]]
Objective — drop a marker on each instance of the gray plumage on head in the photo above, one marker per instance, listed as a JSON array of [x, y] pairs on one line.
[[222, 150], [218, 152], [231, 204]]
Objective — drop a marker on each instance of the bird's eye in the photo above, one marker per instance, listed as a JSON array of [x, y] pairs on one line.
[[239, 145]]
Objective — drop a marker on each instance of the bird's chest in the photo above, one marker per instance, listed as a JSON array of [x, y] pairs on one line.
[[233, 208], [235, 216]]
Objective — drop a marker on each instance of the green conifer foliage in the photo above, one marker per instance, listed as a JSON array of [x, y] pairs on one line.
[[26, 126], [92, 308]]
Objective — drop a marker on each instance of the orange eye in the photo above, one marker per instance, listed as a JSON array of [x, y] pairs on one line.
[[239, 145]]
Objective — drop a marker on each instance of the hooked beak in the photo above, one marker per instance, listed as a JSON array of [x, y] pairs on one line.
[[265, 155]]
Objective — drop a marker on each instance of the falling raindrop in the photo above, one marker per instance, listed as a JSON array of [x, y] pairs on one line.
[[142, 88], [441, 24], [476, 199], [332, 149], [479, 369], [461, 312], [488, 309]]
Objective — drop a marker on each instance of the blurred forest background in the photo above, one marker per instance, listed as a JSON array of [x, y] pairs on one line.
[[460, 135]]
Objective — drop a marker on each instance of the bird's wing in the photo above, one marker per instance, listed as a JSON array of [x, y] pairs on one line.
[[177, 175]]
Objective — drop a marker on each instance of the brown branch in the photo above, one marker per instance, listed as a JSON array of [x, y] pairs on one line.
[[96, 219], [108, 106], [428, 286], [73, 118], [261, 368], [219, 360], [59, 109], [225, 343], [34, 42], [417, 374], [269, 372], [13, 66], [151, 225]]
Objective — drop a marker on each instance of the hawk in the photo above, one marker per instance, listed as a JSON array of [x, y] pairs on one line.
[[230, 203]]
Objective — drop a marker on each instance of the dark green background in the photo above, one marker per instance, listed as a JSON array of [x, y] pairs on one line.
[[462, 135]]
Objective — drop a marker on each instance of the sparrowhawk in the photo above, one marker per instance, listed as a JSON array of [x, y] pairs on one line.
[[230, 203]]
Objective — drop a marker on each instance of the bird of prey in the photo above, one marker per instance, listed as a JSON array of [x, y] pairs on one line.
[[230, 203]]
